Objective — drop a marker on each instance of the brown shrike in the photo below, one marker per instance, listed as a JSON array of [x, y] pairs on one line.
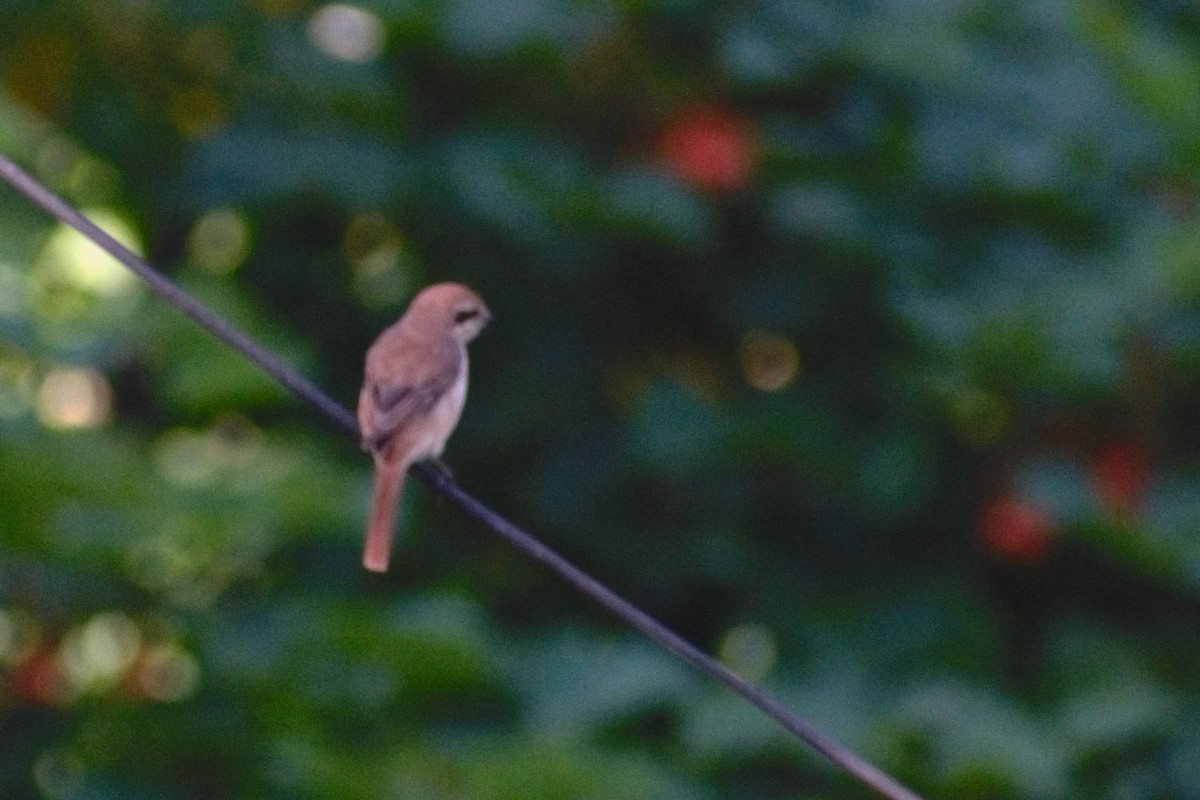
[[414, 387]]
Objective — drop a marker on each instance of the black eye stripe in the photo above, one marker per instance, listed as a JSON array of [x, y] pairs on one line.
[[465, 314]]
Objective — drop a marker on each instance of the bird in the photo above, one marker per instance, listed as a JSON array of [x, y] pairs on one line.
[[414, 388]]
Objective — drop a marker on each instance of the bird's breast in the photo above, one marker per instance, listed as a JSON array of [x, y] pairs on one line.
[[443, 417]]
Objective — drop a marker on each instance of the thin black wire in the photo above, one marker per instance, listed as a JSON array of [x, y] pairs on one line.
[[445, 485]]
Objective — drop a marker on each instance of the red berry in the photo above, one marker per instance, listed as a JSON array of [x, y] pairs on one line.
[[39, 678], [709, 148], [1015, 529]]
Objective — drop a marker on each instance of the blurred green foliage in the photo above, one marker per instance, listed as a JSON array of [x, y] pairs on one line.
[[859, 342]]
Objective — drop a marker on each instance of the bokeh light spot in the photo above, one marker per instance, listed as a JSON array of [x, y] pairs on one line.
[[710, 148], [232, 448], [167, 673], [73, 279], [78, 174], [74, 398], [346, 33], [39, 678], [92, 177], [1016, 529], [58, 773], [367, 234], [750, 650], [375, 250], [183, 459], [770, 362], [157, 563], [85, 264], [95, 655], [219, 241]]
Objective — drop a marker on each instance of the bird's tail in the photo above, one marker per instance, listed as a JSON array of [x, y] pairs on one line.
[[389, 485]]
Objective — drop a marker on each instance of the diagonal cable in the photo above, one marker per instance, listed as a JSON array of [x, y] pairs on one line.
[[443, 484]]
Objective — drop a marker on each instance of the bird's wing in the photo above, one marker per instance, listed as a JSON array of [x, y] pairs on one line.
[[392, 400]]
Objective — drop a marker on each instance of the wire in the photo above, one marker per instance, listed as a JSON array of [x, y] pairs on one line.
[[441, 482]]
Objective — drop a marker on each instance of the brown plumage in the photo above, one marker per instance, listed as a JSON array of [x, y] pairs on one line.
[[414, 387]]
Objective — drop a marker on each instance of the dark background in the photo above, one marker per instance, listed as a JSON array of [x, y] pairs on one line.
[[857, 341]]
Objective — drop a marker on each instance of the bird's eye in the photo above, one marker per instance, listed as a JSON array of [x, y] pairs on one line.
[[465, 314]]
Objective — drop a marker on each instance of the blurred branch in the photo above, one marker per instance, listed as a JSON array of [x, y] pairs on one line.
[[446, 486]]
